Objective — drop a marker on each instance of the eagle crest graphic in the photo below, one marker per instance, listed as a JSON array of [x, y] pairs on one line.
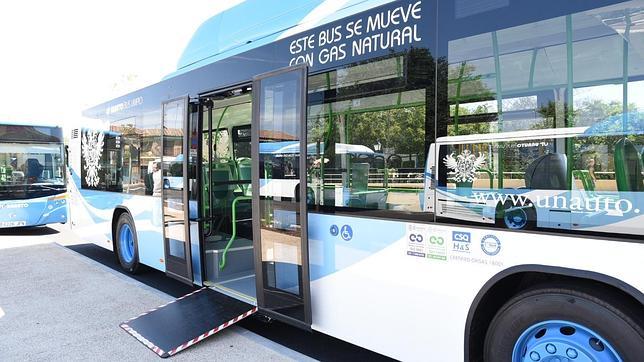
[[464, 165], [92, 147]]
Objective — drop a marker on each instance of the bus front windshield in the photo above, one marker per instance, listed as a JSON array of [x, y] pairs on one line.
[[29, 170]]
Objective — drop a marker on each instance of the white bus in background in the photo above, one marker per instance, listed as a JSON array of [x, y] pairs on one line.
[[33, 187]]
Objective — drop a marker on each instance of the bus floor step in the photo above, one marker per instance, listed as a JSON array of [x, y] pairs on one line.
[[181, 323]]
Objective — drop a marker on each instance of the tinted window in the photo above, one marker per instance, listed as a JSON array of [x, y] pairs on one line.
[[548, 105], [367, 138]]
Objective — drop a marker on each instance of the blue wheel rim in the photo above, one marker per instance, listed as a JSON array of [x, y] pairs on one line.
[[515, 219], [126, 243], [557, 340]]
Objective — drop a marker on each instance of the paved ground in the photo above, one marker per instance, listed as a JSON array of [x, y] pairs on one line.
[[58, 305]]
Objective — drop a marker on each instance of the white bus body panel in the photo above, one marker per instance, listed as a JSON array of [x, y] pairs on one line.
[[92, 212], [385, 290]]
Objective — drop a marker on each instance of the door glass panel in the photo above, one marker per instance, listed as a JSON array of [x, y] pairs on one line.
[[174, 203], [281, 214]]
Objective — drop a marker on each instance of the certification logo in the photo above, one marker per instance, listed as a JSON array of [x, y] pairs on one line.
[[436, 249], [416, 238], [333, 230], [346, 233], [491, 245], [461, 241], [416, 245]]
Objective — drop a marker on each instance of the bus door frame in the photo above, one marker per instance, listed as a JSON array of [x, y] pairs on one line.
[[263, 291], [178, 268]]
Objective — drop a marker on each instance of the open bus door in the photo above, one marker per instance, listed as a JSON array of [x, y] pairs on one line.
[[175, 202], [280, 244], [278, 151], [179, 324]]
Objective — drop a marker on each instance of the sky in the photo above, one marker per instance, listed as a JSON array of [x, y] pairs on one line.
[[60, 57]]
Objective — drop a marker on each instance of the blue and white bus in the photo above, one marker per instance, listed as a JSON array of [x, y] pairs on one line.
[[431, 180], [33, 187]]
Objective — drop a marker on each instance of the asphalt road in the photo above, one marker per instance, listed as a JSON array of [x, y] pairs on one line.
[[58, 305], [48, 291]]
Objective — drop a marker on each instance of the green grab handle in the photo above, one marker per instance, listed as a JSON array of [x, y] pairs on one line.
[[490, 176], [222, 263]]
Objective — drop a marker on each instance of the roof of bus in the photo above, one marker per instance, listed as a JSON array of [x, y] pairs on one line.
[[254, 23], [203, 58]]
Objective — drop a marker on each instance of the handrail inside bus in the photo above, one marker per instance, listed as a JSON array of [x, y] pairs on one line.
[[490, 175], [222, 263]]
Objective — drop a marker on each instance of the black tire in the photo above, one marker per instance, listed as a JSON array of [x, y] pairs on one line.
[[132, 266], [605, 313]]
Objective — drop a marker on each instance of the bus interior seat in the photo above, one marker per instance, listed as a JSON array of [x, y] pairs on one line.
[[221, 198], [547, 172], [361, 158], [34, 168], [394, 161], [408, 164], [628, 166], [221, 187], [379, 162], [223, 163], [244, 172]]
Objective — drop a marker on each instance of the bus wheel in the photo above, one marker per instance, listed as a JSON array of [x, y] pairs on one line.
[[562, 324], [126, 243], [516, 218]]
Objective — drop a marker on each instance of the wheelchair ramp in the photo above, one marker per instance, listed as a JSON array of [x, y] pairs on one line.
[[175, 326]]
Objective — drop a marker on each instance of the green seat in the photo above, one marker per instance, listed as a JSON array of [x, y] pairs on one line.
[[221, 195], [225, 163], [628, 166], [244, 167], [221, 190], [219, 187]]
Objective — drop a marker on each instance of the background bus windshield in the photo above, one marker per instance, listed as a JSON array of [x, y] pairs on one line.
[[31, 162]]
